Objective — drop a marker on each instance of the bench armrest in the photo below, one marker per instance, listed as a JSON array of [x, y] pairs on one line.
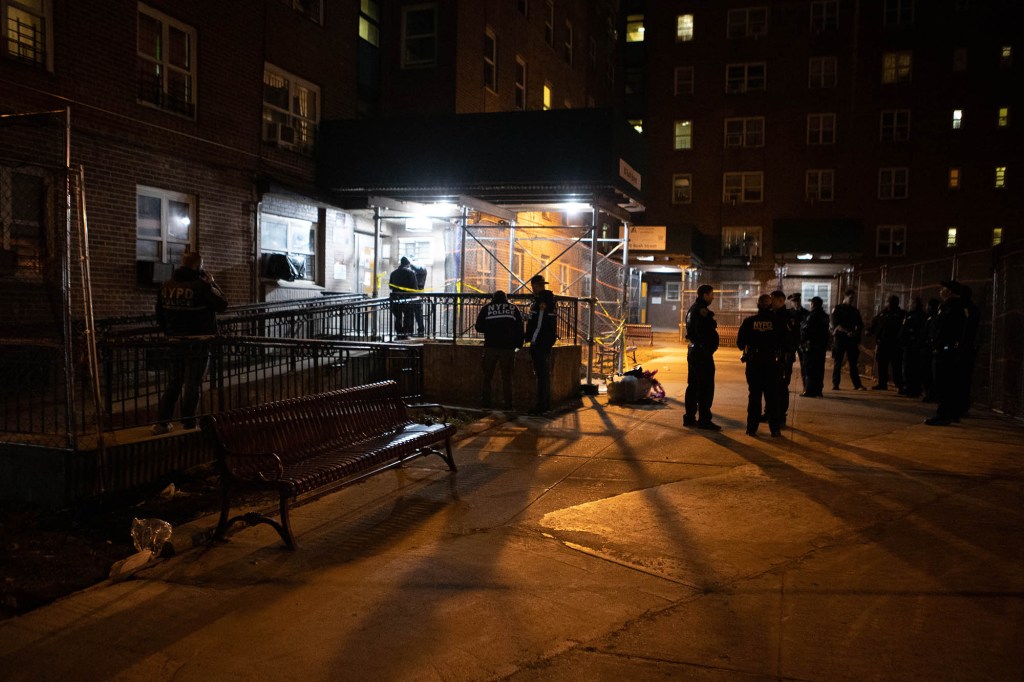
[[435, 407], [254, 466]]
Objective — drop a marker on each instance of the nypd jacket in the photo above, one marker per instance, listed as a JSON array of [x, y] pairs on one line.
[[762, 337], [187, 305], [501, 324], [701, 326]]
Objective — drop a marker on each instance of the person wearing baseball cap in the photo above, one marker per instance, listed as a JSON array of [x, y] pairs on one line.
[[541, 335]]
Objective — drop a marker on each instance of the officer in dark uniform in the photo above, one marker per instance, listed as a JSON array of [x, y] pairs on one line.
[[790, 330], [949, 332], [911, 340], [186, 310], [928, 350], [800, 313], [886, 328], [541, 335], [501, 323], [702, 333], [814, 340], [417, 304], [402, 284], [847, 326], [762, 339]]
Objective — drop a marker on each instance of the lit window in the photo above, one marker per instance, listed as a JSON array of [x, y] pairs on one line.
[[684, 28], [1006, 56], [684, 80], [490, 60], [26, 22], [742, 242], [895, 125], [893, 183], [635, 28], [824, 15], [821, 129], [683, 135], [1004, 117], [163, 225], [747, 22], [167, 62], [682, 188], [958, 118], [959, 60], [546, 104], [293, 238], [898, 12], [419, 36], [291, 110], [549, 22], [891, 240], [568, 43], [747, 77], [743, 188], [821, 72], [819, 185], [369, 22], [638, 124], [954, 178], [26, 211], [744, 132], [1000, 177], [997, 236], [520, 91], [950, 237], [897, 67]]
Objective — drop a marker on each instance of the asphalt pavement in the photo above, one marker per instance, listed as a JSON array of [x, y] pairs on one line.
[[606, 543]]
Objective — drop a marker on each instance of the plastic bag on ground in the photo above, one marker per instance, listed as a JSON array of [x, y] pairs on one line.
[[150, 534]]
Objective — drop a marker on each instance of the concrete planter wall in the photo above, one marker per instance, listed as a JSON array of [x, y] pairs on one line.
[[452, 375]]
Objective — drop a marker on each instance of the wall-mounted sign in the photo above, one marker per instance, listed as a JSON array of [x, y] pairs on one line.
[[627, 173], [646, 237]]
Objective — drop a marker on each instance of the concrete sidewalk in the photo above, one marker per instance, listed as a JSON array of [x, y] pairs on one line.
[[608, 543]]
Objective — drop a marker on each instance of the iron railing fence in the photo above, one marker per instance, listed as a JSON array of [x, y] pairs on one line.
[[446, 317], [134, 373]]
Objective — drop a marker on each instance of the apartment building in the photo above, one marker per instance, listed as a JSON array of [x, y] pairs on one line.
[[792, 140]]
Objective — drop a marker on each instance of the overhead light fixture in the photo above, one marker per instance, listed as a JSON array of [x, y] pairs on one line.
[[645, 259], [418, 224], [805, 256]]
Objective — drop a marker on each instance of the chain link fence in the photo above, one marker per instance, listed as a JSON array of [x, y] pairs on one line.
[[42, 355], [995, 277]]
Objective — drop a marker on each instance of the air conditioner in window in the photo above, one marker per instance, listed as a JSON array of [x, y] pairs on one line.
[[735, 88], [286, 135], [734, 139]]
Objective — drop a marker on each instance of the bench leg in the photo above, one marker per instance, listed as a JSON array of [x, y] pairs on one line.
[[285, 528], [448, 455]]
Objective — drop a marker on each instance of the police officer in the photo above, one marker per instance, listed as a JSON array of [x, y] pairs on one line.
[[847, 326], [501, 323], [186, 310], [790, 330], [886, 328], [541, 335], [800, 313], [762, 339], [949, 332], [702, 333], [814, 340], [911, 340], [402, 283]]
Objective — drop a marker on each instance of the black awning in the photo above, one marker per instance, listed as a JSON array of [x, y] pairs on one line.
[[510, 157], [836, 236]]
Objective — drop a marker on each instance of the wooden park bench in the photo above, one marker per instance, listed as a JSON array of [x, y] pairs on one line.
[[640, 331], [303, 448]]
